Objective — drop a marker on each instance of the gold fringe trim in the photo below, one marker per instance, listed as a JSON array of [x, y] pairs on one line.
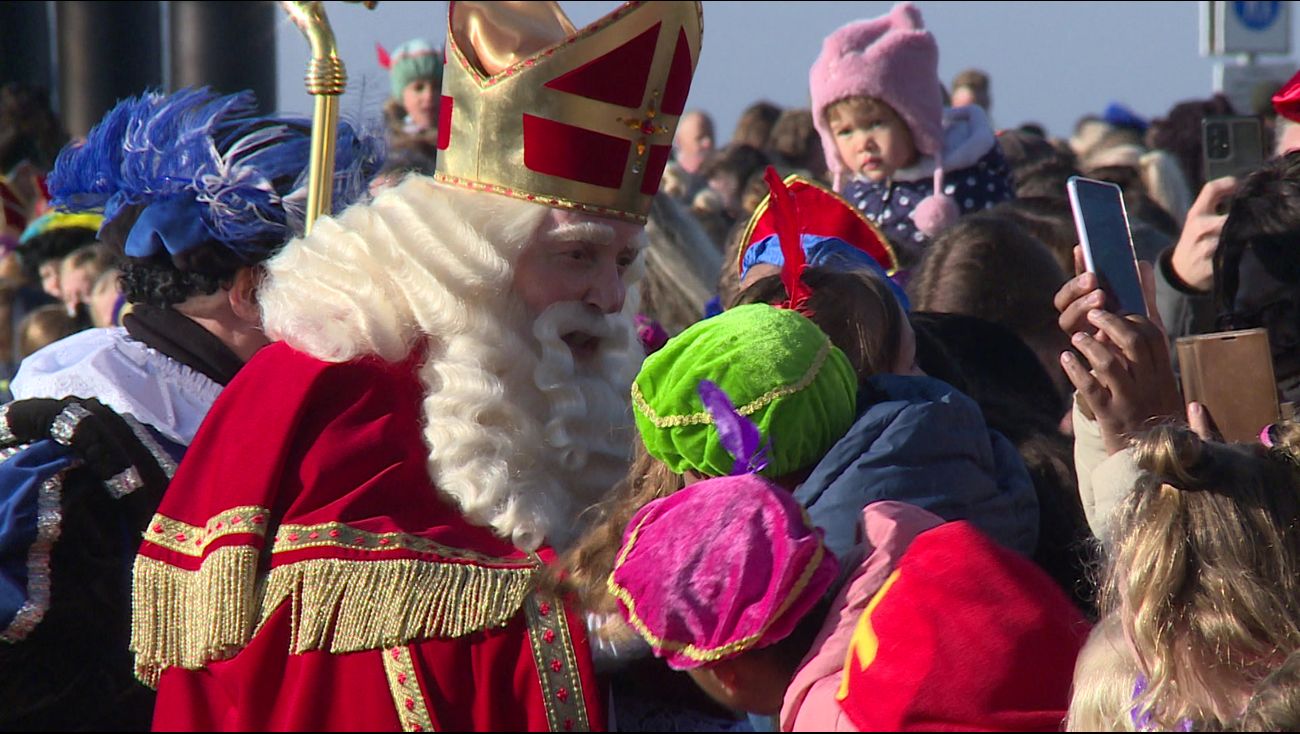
[[347, 606], [188, 618]]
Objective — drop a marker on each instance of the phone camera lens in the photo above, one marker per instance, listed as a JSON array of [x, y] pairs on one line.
[[1216, 139]]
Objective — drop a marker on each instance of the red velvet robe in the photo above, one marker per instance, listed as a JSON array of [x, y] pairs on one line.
[[302, 573]]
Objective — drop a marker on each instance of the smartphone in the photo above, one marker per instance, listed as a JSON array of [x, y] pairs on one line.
[[1231, 145], [1102, 224], [1231, 374]]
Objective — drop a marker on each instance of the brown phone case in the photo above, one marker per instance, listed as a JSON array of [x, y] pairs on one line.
[[1231, 374]]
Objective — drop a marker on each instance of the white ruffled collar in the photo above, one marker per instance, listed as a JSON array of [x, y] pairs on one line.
[[123, 374]]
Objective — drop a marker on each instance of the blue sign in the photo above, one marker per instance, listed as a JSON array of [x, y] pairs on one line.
[[1257, 15]]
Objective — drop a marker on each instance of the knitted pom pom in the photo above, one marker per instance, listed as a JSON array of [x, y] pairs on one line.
[[935, 213]]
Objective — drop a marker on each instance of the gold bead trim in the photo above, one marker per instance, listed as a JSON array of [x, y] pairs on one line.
[[753, 406], [340, 535], [544, 200], [192, 540], [557, 665], [408, 699]]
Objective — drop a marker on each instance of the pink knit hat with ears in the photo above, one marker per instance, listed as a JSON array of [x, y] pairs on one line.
[[894, 59]]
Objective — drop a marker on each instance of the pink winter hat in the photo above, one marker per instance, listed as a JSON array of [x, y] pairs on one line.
[[892, 58], [723, 566]]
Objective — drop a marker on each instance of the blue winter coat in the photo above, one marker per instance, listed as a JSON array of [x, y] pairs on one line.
[[921, 441]]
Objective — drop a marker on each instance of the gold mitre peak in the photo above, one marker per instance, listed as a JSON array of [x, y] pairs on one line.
[[577, 119]]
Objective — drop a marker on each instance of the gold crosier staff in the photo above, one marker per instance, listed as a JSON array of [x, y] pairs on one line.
[[326, 80]]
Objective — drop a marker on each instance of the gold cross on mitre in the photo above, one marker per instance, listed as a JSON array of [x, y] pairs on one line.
[[584, 121]]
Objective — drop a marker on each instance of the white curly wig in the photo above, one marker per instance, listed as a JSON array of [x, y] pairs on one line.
[[519, 438]]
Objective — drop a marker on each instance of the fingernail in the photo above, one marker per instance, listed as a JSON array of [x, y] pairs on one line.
[[1067, 357], [1097, 298], [1078, 337], [1194, 408]]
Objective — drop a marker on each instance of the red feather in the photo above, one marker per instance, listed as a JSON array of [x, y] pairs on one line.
[[385, 61], [785, 220]]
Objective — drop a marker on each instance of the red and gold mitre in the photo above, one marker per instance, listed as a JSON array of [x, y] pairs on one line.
[[576, 119]]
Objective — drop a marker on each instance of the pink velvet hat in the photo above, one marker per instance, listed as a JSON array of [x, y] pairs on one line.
[[723, 566]]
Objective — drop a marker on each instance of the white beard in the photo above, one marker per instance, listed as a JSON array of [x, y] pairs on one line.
[[545, 438], [520, 439]]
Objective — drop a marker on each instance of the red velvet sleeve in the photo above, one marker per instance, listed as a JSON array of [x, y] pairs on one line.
[[304, 511]]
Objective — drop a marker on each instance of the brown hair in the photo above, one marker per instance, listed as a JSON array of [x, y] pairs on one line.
[[796, 144], [1046, 219], [584, 568], [856, 103], [856, 310], [43, 327], [754, 127], [729, 274], [990, 267], [1205, 571], [1275, 705], [975, 79]]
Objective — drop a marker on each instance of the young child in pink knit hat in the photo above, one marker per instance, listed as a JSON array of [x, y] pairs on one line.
[[893, 150]]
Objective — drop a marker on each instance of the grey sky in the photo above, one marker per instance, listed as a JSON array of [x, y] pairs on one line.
[[1050, 62]]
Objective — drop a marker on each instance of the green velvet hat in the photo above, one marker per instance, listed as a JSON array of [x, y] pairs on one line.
[[780, 371]]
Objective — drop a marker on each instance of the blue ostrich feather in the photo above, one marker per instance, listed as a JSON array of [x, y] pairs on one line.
[[245, 174], [86, 174]]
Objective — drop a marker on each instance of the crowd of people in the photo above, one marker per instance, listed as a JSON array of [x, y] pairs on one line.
[[567, 416]]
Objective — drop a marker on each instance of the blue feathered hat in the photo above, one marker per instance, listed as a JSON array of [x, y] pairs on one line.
[[198, 168]]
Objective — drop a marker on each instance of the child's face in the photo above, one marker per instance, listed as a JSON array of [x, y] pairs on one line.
[[75, 284], [420, 100], [49, 272], [872, 140]]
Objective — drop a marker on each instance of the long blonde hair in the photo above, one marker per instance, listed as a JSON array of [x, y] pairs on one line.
[[1205, 572], [1101, 698]]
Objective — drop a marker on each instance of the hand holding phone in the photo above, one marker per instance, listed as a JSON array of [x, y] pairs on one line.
[[1231, 145], [1102, 225], [1231, 374]]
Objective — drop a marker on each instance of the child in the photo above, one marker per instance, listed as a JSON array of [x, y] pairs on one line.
[[415, 80], [1204, 574], [891, 148], [727, 580], [43, 327], [78, 274]]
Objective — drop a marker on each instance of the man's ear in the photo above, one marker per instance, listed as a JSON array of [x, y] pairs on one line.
[[243, 294]]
